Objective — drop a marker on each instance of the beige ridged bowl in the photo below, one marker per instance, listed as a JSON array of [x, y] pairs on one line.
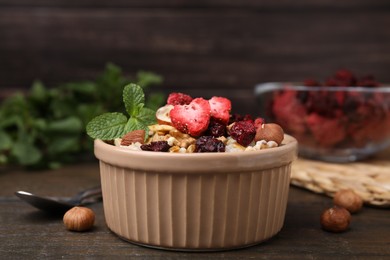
[[196, 202]]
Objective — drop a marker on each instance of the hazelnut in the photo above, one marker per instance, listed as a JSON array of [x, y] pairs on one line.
[[335, 219], [270, 132], [79, 219], [349, 200]]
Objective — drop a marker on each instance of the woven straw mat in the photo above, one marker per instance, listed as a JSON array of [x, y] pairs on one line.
[[369, 179]]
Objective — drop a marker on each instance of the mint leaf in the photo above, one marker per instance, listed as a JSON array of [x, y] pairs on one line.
[[5, 141], [146, 79], [113, 125], [66, 125], [134, 99], [136, 124], [147, 116], [107, 126], [26, 153]]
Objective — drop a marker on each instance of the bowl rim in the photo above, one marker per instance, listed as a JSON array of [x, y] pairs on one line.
[[262, 88], [197, 162]]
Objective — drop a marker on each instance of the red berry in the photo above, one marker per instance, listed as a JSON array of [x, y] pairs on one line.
[[243, 132], [311, 83], [216, 128], [179, 99], [220, 109], [326, 131], [237, 117], [258, 122], [209, 144], [159, 146], [192, 119]]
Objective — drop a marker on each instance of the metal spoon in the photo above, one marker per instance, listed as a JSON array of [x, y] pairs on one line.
[[60, 206]]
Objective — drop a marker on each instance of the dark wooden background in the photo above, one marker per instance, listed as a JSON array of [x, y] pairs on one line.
[[201, 47]]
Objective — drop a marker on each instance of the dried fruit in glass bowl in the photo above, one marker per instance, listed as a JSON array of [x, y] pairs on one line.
[[346, 118]]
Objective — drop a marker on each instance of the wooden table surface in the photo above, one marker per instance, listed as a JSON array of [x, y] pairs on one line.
[[26, 233]]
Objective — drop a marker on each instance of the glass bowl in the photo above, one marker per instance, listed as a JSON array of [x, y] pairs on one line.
[[334, 124]]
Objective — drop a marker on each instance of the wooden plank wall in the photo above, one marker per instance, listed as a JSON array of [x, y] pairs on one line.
[[201, 47]]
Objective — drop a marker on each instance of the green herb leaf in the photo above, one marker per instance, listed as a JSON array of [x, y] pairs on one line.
[[107, 126], [136, 124], [134, 99], [26, 153], [63, 144], [5, 141], [67, 125], [147, 116], [146, 79]]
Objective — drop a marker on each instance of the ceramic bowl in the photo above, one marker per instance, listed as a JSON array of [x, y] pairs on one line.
[[334, 124], [195, 202]]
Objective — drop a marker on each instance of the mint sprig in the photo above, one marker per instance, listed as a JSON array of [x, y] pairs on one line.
[[109, 126]]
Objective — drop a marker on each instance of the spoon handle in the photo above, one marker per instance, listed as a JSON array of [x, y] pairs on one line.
[[87, 196]]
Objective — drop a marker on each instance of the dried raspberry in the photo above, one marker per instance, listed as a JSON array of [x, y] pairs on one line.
[[159, 146], [311, 83], [216, 129], [322, 103], [243, 132], [368, 81], [209, 144], [289, 112], [258, 122], [345, 78], [326, 131], [238, 117], [178, 99]]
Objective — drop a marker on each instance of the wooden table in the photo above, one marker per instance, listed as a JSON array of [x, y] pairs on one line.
[[26, 233]]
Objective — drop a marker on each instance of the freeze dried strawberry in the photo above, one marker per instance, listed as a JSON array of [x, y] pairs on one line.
[[326, 131], [177, 98], [192, 119], [289, 112], [220, 109]]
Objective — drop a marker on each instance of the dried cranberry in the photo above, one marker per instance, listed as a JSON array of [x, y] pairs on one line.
[[159, 146], [243, 132], [209, 144], [216, 128]]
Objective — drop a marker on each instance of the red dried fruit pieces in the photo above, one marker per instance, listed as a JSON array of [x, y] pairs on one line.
[[345, 78], [209, 144], [192, 119], [159, 146], [289, 112], [177, 98], [216, 129], [326, 131], [243, 132], [220, 109]]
